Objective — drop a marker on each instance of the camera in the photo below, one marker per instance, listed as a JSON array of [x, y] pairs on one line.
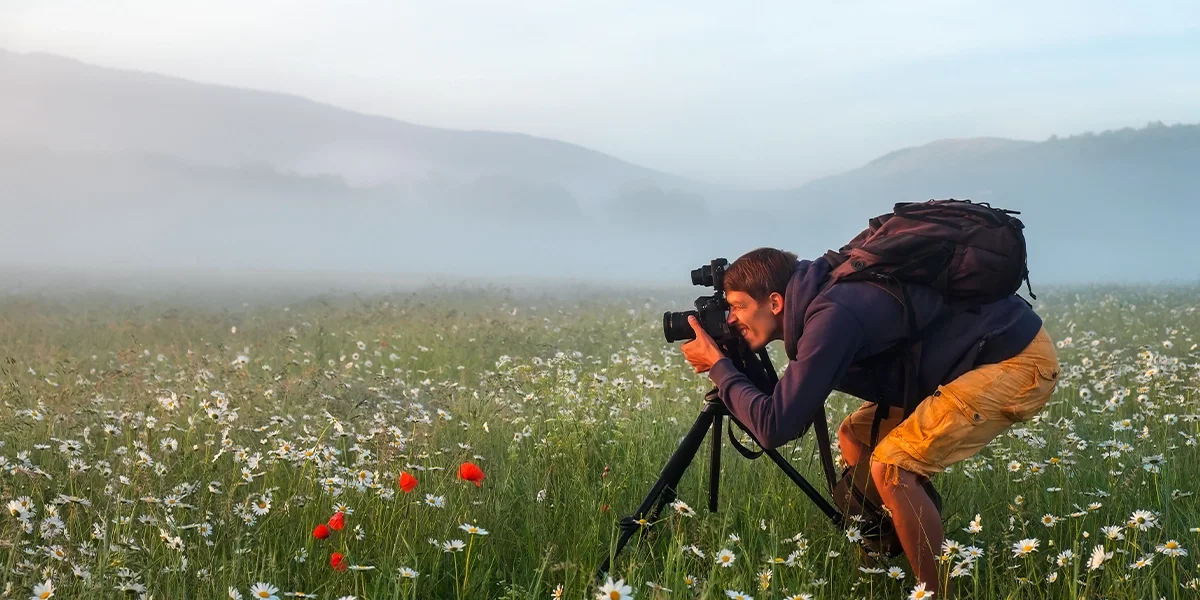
[[711, 311]]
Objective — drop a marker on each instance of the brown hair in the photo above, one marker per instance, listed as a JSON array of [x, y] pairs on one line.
[[760, 272]]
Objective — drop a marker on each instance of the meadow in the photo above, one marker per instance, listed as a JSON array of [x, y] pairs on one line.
[[467, 442]]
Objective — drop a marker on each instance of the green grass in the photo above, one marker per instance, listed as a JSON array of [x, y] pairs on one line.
[[570, 407]]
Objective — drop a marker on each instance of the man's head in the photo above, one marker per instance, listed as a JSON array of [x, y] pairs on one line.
[[754, 286]]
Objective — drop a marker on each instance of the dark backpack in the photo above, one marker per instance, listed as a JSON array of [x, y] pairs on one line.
[[970, 252]]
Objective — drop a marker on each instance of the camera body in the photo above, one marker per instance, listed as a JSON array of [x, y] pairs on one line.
[[711, 311]]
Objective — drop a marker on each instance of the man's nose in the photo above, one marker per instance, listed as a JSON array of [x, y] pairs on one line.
[[731, 320]]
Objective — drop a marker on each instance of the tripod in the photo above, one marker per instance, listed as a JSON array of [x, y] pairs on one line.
[[758, 368]]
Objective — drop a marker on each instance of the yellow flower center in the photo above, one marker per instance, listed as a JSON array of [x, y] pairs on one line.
[[264, 594], [615, 595], [44, 595]]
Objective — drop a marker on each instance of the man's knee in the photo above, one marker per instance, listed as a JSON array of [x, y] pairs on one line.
[[888, 476]]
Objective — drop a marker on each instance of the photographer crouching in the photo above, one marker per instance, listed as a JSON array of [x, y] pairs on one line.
[[980, 368]]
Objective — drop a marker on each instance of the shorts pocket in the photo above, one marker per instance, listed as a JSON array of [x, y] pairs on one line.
[[945, 424], [1034, 398]]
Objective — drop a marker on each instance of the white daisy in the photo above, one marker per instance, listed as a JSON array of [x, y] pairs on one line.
[[264, 591]]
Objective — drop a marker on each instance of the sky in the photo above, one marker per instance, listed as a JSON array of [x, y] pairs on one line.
[[754, 95]]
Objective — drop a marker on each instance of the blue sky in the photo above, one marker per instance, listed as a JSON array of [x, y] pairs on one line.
[[764, 94]]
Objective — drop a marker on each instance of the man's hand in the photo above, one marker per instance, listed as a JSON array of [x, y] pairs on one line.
[[702, 353]]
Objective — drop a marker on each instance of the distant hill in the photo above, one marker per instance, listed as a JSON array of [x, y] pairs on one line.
[[109, 166], [1117, 204], [67, 105]]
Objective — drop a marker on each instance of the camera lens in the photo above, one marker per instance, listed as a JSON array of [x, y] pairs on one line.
[[702, 276], [676, 327]]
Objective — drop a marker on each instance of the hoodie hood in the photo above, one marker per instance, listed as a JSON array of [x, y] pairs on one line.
[[802, 289]]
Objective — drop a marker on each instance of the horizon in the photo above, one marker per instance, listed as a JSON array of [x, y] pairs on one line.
[[1137, 60]]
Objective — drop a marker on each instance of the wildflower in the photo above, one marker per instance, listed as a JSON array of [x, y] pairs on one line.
[[614, 590], [974, 528], [264, 591], [736, 595], [1098, 557], [1171, 548], [682, 508], [1112, 532], [725, 558], [1025, 546], [407, 573], [435, 501], [407, 482], [1049, 520], [895, 573], [919, 593], [337, 521], [42, 591], [473, 529], [337, 560], [1142, 562], [971, 553], [470, 472], [1143, 520], [853, 534], [453, 546]]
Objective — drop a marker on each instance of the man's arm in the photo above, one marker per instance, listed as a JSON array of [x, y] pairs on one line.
[[832, 336]]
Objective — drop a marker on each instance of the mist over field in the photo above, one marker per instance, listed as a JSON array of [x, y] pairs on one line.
[[117, 169]]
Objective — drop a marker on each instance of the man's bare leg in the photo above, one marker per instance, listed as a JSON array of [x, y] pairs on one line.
[[852, 450], [917, 523]]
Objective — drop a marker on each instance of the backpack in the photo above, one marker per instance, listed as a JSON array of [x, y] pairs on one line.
[[970, 252]]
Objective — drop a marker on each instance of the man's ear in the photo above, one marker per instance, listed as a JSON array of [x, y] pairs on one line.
[[776, 300]]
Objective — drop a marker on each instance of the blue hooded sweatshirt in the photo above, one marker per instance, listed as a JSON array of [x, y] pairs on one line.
[[829, 334]]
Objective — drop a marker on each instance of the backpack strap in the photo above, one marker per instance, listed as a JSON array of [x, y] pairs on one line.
[[821, 429]]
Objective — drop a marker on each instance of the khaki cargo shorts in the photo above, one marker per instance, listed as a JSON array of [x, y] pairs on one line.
[[963, 416]]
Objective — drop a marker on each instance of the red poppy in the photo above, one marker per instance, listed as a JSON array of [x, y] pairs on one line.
[[321, 532], [337, 521], [470, 472], [337, 561], [407, 482]]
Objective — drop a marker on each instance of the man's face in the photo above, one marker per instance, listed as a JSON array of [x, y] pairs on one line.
[[758, 322]]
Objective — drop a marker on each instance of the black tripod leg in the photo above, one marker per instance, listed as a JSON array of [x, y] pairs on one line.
[[671, 474], [806, 487], [714, 464]]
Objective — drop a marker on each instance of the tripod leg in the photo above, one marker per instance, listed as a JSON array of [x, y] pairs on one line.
[[806, 487], [671, 474], [714, 464]]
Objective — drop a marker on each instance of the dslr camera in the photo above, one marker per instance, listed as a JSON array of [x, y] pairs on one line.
[[711, 311]]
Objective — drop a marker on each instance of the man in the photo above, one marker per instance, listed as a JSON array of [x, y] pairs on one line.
[[980, 372]]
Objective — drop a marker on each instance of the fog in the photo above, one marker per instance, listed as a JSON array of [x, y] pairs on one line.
[[118, 175]]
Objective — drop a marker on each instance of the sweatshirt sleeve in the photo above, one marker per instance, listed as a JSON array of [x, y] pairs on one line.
[[832, 337]]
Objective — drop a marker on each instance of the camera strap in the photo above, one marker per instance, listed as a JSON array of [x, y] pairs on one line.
[[820, 428]]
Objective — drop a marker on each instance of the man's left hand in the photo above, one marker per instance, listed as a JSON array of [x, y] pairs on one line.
[[702, 353]]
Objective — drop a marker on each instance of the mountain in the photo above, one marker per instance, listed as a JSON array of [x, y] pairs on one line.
[[1116, 205], [68, 105], [105, 166]]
